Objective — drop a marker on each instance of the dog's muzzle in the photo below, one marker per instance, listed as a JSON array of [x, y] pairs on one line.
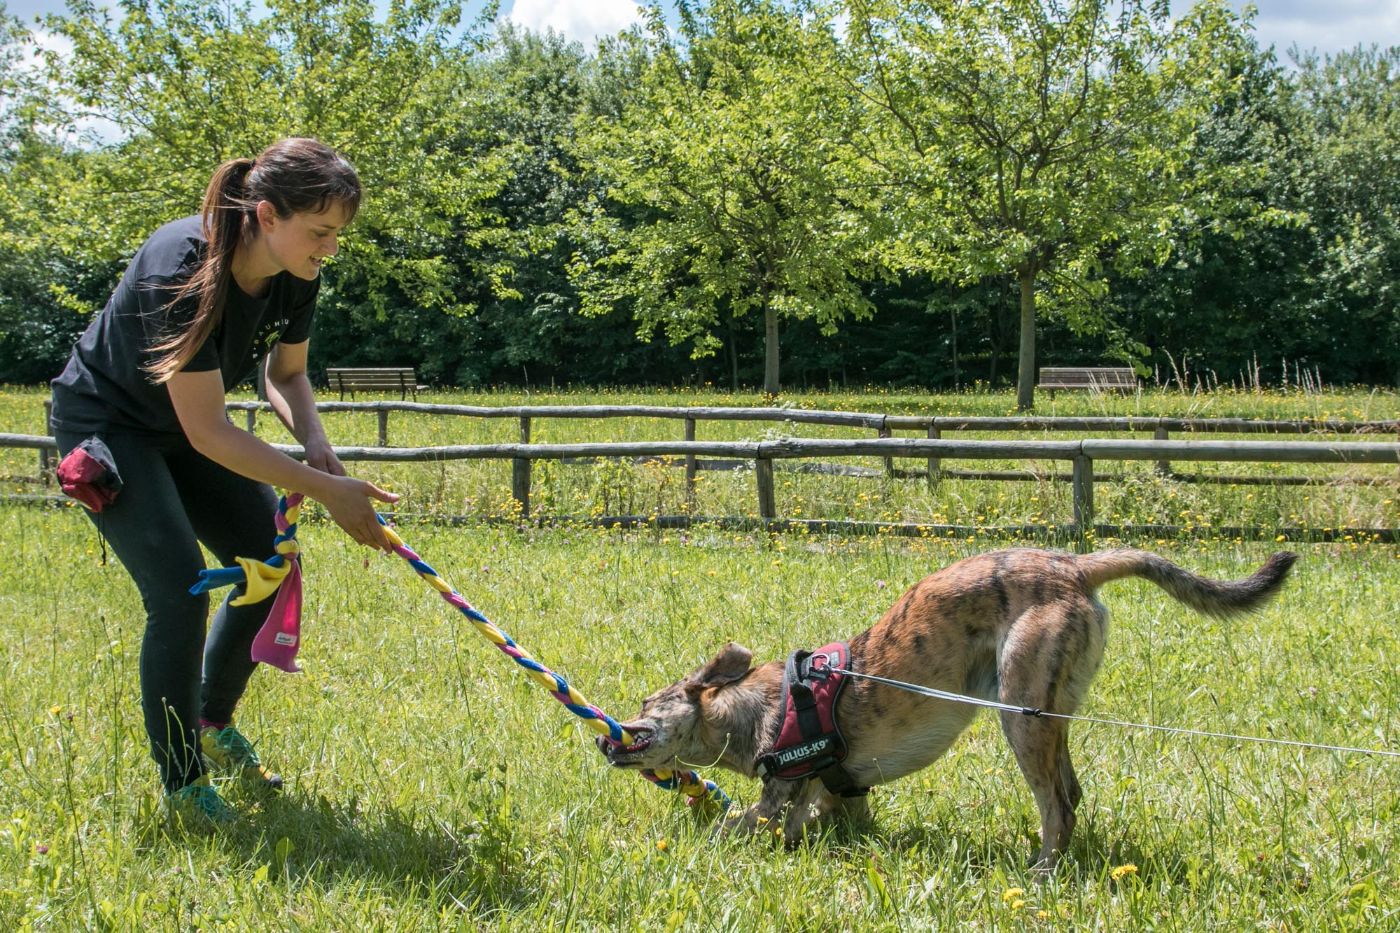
[[621, 755]]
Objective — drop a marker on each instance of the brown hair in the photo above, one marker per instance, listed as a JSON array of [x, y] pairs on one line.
[[295, 176]]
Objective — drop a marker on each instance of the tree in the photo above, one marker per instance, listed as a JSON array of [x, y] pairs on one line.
[[1347, 109], [724, 187], [1037, 138], [190, 84]]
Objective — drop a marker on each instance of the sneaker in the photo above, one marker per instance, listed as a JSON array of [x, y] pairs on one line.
[[227, 750], [201, 801]]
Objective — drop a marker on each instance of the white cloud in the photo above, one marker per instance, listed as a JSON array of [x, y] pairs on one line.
[[1327, 26], [580, 20]]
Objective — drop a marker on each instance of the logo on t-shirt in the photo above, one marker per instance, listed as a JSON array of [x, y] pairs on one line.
[[268, 334]]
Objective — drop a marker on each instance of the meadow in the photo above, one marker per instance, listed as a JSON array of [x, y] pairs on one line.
[[432, 786]]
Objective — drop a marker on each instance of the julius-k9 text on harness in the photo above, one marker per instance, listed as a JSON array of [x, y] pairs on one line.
[[809, 741]]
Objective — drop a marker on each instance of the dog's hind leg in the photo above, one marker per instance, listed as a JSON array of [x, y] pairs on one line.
[[1042, 752], [1048, 664]]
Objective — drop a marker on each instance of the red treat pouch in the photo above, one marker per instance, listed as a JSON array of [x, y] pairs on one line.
[[89, 474]]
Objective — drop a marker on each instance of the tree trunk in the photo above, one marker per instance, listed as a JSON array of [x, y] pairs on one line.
[[956, 380], [770, 351], [733, 355], [1025, 381]]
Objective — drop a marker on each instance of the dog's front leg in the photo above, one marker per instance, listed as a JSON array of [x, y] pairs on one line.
[[763, 815], [813, 806]]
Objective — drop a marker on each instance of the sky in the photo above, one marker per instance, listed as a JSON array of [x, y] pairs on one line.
[[1326, 25]]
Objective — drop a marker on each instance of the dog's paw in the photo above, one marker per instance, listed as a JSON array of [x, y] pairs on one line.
[[749, 822]]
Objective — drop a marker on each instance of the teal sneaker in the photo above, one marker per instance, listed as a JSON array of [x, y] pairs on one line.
[[228, 751], [200, 802]]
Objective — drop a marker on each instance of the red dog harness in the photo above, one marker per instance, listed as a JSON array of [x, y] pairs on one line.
[[809, 742]]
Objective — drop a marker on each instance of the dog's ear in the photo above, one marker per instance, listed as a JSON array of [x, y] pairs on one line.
[[731, 664]]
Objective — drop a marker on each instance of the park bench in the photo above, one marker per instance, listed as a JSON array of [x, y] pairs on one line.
[[1100, 378], [401, 379]]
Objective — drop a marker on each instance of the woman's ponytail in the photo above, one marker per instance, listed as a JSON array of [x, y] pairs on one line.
[[226, 213]]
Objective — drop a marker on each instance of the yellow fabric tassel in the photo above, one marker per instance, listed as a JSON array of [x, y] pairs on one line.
[[263, 580]]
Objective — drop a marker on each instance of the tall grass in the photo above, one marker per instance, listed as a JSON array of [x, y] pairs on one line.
[[432, 786]]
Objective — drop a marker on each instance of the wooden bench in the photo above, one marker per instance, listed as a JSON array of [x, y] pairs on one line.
[[401, 379], [1099, 378]]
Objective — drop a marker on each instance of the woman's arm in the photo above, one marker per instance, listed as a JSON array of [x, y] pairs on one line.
[[289, 393], [198, 398]]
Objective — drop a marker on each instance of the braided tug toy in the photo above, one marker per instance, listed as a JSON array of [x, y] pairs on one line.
[[280, 637]]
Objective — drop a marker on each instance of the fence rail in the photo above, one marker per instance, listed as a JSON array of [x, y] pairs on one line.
[[1081, 455], [934, 427], [868, 420]]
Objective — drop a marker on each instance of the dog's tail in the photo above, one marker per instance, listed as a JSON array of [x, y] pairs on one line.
[[1212, 597]]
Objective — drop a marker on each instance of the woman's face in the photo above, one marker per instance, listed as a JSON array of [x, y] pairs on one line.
[[299, 242]]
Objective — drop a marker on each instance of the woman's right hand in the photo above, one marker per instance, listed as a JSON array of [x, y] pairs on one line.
[[348, 501]]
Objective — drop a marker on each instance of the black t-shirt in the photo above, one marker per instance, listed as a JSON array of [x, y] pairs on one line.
[[105, 384]]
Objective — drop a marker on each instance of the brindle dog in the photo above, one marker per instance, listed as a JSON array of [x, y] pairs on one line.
[[1020, 626]]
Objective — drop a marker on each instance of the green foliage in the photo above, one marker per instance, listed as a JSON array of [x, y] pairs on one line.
[[724, 159], [1035, 139], [192, 84], [1063, 183], [1350, 117]]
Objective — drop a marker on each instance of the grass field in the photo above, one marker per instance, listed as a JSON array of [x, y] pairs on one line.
[[433, 786]]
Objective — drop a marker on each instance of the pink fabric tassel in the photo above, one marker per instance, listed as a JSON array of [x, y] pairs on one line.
[[280, 636]]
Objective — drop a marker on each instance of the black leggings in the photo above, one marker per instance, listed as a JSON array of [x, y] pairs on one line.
[[172, 498]]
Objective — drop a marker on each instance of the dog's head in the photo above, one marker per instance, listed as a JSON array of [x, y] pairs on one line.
[[683, 724]]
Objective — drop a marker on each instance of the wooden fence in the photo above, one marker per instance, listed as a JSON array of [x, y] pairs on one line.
[[1081, 456], [934, 427], [884, 425]]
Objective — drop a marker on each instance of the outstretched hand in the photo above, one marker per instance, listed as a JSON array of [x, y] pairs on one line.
[[349, 501]]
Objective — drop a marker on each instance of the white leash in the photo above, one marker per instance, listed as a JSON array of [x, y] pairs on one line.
[[1042, 714]]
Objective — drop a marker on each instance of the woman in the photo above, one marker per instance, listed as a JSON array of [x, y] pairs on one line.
[[204, 299]]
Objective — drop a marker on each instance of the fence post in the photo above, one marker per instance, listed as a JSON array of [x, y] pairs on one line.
[[767, 504], [889, 461], [935, 464], [252, 420], [1083, 501], [520, 474], [690, 468], [383, 427], [1164, 467], [45, 463]]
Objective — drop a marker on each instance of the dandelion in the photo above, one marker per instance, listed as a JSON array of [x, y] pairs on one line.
[[1012, 894], [1123, 871], [661, 845], [55, 709]]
